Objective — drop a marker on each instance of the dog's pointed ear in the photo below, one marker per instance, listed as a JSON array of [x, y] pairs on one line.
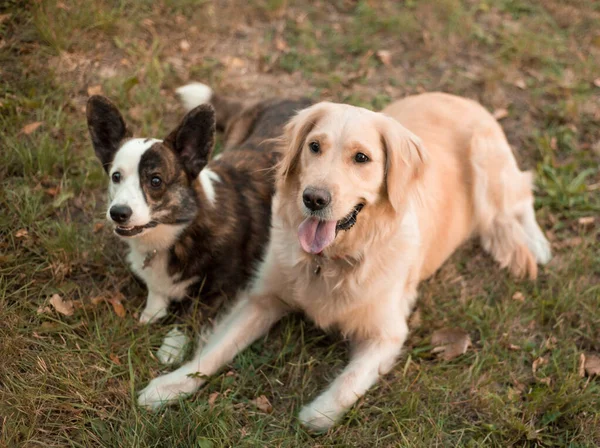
[[294, 138], [107, 128], [193, 140], [406, 160]]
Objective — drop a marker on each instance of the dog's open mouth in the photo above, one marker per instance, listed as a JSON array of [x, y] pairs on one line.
[[315, 234], [133, 230]]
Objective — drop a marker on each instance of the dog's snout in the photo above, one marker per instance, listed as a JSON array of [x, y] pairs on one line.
[[120, 213], [316, 198]]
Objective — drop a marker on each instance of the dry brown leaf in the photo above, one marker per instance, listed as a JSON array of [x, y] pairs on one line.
[[61, 305], [4, 17], [592, 365], [117, 306], [21, 233], [52, 191], [98, 227], [212, 398], [520, 83], [31, 127], [263, 404], [586, 221], [514, 347], [98, 299], [114, 358], [184, 45], [94, 90], [537, 364], [385, 57], [44, 310], [581, 365], [518, 296], [597, 82], [450, 342], [501, 113], [280, 44]]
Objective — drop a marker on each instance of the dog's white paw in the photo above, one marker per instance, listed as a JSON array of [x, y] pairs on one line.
[[150, 315], [173, 347], [320, 415], [167, 389]]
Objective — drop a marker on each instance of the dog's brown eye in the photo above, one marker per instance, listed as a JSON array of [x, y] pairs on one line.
[[156, 182], [361, 158], [116, 177], [314, 147]]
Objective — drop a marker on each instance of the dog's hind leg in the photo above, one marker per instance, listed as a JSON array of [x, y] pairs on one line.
[[503, 206]]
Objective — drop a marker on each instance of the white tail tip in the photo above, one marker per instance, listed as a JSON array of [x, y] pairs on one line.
[[194, 94]]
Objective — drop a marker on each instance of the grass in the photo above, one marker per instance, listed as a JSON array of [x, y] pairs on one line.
[[70, 380]]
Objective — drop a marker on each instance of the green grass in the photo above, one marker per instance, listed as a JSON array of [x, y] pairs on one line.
[[70, 381]]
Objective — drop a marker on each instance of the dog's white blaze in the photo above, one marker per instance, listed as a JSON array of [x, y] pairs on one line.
[[207, 177], [194, 94], [129, 191]]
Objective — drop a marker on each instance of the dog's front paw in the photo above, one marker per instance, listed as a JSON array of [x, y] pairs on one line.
[[167, 389], [150, 315], [320, 415]]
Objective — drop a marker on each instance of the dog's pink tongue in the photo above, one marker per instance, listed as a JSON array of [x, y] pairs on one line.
[[316, 235]]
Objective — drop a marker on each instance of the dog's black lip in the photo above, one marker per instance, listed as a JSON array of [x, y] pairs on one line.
[[347, 222], [136, 230]]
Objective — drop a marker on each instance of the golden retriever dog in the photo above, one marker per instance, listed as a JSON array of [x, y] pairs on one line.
[[367, 205]]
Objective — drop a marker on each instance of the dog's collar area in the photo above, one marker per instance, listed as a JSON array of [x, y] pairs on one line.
[[349, 220], [148, 258]]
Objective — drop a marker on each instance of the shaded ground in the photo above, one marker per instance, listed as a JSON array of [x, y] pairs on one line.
[[69, 381]]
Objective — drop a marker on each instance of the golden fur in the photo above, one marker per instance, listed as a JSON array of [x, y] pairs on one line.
[[439, 172]]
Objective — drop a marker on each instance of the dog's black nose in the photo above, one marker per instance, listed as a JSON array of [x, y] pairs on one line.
[[120, 213], [316, 198]]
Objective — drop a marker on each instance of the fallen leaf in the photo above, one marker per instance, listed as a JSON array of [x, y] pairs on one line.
[[212, 398], [98, 227], [586, 221], [114, 358], [21, 233], [61, 305], [501, 113], [52, 191], [117, 306], [450, 342], [280, 44], [518, 296], [31, 127], [581, 365], [520, 83], [592, 365], [514, 347], [44, 310], [94, 90], [537, 364], [263, 404], [385, 57], [597, 82], [184, 45], [98, 299], [4, 17], [230, 373]]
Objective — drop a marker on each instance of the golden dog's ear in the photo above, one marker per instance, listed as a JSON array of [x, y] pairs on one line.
[[294, 136], [406, 159]]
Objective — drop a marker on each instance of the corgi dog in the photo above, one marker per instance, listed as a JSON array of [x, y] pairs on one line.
[[190, 221]]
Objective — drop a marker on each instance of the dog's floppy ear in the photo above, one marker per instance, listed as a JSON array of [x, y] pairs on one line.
[[107, 128], [406, 159], [294, 136], [193, 140]]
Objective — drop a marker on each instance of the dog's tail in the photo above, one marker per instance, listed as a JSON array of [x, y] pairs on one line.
[[503, 201], [196, 93]]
